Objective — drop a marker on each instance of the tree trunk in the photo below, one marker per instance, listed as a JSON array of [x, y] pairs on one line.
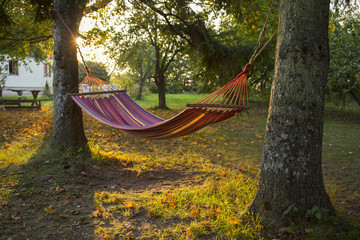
[[68, 131], [162, 91], [291, 176], [141, 85], [355, 96]]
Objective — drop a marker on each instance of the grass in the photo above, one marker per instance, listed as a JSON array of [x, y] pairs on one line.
[[173, 101], [194, 187]]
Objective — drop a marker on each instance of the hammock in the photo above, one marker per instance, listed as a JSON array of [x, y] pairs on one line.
[[116, 109]]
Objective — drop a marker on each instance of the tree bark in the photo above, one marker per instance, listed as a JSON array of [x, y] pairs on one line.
[[162, 91], [68, 130], [141, 82], [141, 85], [291, 176], [356, 97]]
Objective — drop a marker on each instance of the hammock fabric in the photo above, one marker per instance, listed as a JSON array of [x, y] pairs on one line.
[[116, 109]]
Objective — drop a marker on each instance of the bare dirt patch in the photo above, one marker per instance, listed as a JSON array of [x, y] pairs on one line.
[[118, 177]]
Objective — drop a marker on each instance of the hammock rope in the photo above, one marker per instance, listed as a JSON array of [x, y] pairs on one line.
[[115, 108]]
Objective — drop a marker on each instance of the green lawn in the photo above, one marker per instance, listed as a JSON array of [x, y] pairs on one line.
[[173, 101], [194, 187]]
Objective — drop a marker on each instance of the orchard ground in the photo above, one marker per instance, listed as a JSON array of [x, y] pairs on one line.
[[194, 187]]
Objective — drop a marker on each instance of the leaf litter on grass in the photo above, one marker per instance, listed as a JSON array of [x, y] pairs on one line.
[[193, 187]]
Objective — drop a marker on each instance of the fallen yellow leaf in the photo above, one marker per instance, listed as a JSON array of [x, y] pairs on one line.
[[50, 210], [130, 204], [195, 212]]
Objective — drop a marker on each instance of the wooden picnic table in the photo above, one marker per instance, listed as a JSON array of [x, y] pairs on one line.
[[34, 93], [35, 103]]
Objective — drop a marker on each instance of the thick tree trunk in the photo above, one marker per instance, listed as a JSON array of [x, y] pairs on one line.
[[162, 90], [291, 176], [68, 131]]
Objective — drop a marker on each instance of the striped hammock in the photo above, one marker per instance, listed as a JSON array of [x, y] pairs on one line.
[[116, 109]]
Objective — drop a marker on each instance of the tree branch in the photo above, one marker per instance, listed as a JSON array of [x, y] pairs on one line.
[[165, 16], [96, 6], [30, 40], [81, 36]]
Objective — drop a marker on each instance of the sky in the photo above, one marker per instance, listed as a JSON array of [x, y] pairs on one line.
[[90, 53]]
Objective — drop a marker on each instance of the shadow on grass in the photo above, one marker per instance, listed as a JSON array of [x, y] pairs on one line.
[[195, 187], [53, 195]]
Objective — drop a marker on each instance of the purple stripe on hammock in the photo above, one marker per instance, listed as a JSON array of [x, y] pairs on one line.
[[139, 113], [135, 105], [90, 109], [115, 118], [134, 115], [124, 118]]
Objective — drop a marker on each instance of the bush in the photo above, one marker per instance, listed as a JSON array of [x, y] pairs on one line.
[[47, 90]]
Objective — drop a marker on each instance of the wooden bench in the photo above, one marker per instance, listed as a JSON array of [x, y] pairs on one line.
[[16, 103]]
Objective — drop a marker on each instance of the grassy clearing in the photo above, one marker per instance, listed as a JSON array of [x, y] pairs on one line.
[[194, 187], [173, 101]]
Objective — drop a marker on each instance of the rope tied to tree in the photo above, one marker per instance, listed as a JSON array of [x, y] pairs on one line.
[[90, 83], [261, 36], [77, 45]]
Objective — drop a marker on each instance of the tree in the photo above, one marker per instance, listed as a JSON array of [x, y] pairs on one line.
[[145, 42], [68, 130], [134, 54], [143, 64], [291, 180], [179, 75], [20, 36], [165, 52], [220, 54], [344, 75], [97, 70]]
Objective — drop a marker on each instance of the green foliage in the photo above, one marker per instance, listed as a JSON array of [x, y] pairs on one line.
[[214, 44], [96, 69], [124, 80], [134, 90], [23, 36], [43, 8], [344, 74]]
